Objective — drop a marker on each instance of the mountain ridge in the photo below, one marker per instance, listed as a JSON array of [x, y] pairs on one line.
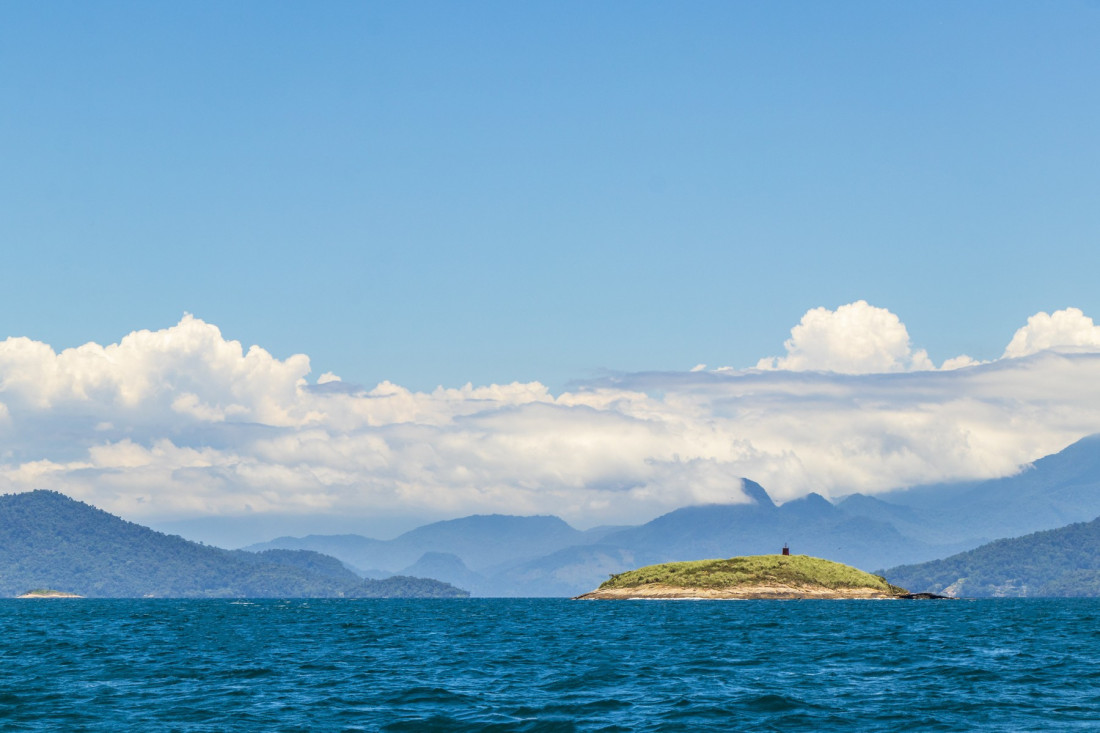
[[1050, 563], [506, 555], [868, 532], [48, 540]]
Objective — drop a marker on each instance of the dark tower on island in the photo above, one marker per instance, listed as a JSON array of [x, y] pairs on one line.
[[786, 550]]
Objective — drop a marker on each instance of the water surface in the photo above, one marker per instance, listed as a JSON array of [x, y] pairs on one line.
[[549, 665]]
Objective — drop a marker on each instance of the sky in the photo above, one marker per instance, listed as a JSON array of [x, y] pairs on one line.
[[479, 249]]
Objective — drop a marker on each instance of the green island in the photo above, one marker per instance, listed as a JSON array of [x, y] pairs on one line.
[[48, 593], [751, 577]]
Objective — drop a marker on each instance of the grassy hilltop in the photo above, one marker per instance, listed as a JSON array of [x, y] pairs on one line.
[[756, 576]]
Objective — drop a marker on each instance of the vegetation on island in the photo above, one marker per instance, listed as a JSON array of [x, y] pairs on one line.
[[796, 571], [48, 593]]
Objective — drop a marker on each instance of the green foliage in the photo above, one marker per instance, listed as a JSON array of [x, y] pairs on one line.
[[1056, 563], [792, 570], [50, 541], [310, 561], [403, 586]]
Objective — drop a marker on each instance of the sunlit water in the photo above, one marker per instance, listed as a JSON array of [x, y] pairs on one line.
[[549, 665]]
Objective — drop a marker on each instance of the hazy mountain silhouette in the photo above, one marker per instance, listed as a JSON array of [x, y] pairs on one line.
[[503, 555], [48, 540], [448, 568], [481, 541], [542, 555], [1051, 492]]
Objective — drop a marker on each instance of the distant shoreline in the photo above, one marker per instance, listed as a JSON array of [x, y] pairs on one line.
[[48, 594], [752, 577], [744, 593]]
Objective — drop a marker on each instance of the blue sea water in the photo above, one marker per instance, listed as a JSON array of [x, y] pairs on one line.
[[549, 665]]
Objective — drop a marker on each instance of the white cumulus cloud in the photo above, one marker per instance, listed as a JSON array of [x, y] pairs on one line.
[[1069, 328], [857, 338], [183, 422]]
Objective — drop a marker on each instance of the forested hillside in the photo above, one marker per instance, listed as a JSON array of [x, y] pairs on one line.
[[1056, 562], [50, 541]]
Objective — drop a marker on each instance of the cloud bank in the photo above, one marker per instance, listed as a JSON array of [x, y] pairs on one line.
[[182, 422]]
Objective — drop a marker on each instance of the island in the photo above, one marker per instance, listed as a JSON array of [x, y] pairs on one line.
[[48, 593], [751, 577]]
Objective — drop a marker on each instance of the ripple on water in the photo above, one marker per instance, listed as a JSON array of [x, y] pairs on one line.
[[515, 665]]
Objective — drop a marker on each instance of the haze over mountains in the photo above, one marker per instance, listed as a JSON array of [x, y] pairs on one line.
[[49, 540], [544, 556], [500, 555], [1051, 492]]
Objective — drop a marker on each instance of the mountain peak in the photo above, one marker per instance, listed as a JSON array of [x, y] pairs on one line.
[[756, 493], [810, 506]]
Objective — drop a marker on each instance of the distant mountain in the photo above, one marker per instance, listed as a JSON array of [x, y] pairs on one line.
[[48, 540], [564, 572], [811, 525], [450, 569], [353, 550], [315, 563], [499, 555], [1056, 562], [481, 540], [538, 556], [1051, 492]]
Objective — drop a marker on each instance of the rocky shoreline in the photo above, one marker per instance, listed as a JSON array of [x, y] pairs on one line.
[[753, 577], [751, 592], [48, 594]]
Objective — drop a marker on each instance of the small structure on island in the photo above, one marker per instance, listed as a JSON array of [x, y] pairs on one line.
[[786, 550]]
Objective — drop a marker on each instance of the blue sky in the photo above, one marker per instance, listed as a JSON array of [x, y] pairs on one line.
[[876, 224], [437, 193]]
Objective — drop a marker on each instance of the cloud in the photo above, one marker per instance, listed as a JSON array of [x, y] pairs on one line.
[[182, 422], [1069, 328], [189, 368], [958, 362], [857, 338]]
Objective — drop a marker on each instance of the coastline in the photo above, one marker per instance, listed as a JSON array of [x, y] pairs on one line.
[[658, 591], [50, 594]]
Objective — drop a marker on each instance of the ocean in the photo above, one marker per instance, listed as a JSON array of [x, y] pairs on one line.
[[549, 665]]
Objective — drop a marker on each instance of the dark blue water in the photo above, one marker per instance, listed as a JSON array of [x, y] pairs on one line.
[[549, 665]]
